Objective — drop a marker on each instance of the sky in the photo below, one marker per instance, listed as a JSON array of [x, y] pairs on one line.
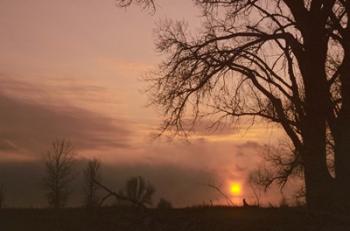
[[73, 69]]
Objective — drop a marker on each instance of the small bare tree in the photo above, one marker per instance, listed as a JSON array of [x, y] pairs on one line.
[[2, 195], [256, 181], [138, 190], [59, 163], [219, 190], [92, 174]]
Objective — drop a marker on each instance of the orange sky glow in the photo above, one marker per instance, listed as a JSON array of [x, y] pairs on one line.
[[74, 68]]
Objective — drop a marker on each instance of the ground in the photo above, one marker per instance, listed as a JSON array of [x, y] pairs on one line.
[[191, 219]]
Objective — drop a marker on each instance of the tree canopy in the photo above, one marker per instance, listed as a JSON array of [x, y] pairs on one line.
[[285, 61]]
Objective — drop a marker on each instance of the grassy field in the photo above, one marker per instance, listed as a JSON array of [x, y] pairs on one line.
[[191, 219]]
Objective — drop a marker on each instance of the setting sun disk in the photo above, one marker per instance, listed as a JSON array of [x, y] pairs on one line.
[[235, 189]]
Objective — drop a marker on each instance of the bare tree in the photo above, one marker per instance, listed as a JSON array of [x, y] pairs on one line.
[[284, 61], [119, 196], [139, 190], [91, 190], [2, 195], [223, 194], [256, 182], [279, 167], [59, 174]]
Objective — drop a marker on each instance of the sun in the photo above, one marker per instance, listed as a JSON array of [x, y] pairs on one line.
[[235, 189]]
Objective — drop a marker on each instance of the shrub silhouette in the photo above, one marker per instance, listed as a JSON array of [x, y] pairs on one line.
[[164, 204]]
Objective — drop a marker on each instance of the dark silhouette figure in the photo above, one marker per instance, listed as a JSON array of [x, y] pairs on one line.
[[245, 204]]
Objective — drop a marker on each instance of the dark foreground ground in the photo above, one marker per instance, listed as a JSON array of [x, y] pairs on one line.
[[201, 219]]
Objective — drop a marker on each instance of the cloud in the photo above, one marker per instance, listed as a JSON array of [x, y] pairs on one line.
[[250, 145], [29, 125], [246, 148], [55, 90], [206, 127]]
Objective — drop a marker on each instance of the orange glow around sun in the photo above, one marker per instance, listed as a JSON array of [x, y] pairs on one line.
[[235, 189]]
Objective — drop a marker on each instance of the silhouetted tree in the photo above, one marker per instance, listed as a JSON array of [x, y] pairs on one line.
[[139, 190], [222, 193], [285, 61], [136, 192], [279, 166], [2, 195], [59, 175], [91, 190], [164, 204], [256, 183]]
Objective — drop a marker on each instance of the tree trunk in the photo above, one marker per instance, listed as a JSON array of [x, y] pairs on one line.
[[342, 160], [318, 181], [342, 139], [317, 178]]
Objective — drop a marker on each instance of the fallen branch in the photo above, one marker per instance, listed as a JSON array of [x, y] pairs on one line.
[[116, 195]]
